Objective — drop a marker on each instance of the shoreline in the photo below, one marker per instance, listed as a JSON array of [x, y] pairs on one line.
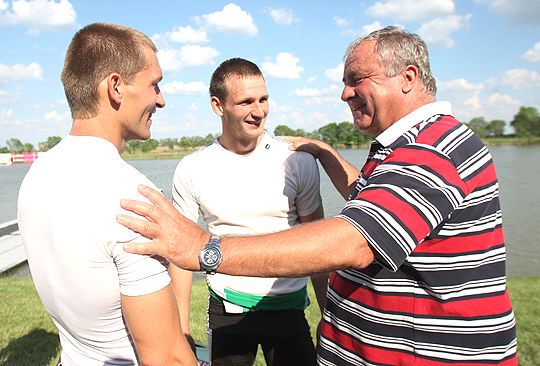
[[174, 154]]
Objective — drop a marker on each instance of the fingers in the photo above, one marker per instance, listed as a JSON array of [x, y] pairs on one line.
[[139, 207], [140, 248], [143, 227], [158, 199], [150, 212]]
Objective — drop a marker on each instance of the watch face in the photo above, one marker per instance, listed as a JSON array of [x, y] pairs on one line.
[[211, 257]]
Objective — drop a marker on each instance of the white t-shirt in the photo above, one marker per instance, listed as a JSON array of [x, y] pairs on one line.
[[261, 192], [67, 206]]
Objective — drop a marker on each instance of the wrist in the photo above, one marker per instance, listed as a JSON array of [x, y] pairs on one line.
[[210, 256]]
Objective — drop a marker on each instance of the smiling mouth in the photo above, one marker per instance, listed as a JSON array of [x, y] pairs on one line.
[[358, 107]]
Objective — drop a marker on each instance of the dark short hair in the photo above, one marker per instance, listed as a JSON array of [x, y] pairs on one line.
[[94, 52], [232, 67]]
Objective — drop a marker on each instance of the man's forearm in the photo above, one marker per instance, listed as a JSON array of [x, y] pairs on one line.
[[321, 246], [340, 171]]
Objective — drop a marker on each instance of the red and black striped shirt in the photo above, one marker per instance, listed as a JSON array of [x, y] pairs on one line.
[[428, 204]]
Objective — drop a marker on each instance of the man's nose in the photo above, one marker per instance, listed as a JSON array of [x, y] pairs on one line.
[[258, 110], [347, 93]]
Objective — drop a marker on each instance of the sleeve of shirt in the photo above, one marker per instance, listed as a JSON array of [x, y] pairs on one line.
[[139, 274], [182, 193], [309, 193], [405, 199]]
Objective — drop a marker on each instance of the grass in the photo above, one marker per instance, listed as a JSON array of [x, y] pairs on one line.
[[29, 338], [27, 334]]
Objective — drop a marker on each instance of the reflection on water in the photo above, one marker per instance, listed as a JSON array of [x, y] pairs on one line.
[[519, 176]]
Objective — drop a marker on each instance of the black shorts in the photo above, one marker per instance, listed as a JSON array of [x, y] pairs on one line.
[[284, 337]]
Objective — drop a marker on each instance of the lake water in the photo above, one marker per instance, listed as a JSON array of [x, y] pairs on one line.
[[519, 178]]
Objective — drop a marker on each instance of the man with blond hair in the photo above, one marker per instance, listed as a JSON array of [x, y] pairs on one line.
[[110, 307]]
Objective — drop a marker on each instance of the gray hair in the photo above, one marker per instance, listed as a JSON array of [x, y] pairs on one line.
[[397, 48]]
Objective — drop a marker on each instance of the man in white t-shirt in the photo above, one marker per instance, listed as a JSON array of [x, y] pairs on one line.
[[110, 307], [245, 183]]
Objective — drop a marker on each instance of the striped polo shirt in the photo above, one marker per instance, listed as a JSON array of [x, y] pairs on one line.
[[427, 202]]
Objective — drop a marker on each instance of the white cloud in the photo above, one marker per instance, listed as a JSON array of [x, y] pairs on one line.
[[332, 90], [516, 79], [188, 35], [21, 72], [466, 105], [335, 74], [501, 106], [439, 30], [368, 28], [57, 118], [180, 34], [314, 101], [341, 22], [191, 88], [473, 102], [503, 99], [283, 16], [39, 15], [232, 19], [285, 67], [533, 55], [6, 115], [307, 92], [411, 10], [172, 59], [192, 107], [517, 12], [459, 85], [311, 79]]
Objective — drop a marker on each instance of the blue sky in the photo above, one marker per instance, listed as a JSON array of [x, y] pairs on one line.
[[484, 54]]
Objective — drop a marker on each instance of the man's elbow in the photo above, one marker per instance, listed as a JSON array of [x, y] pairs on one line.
[[363, 255]]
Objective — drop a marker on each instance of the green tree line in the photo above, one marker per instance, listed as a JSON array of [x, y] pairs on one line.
[[526, 124]]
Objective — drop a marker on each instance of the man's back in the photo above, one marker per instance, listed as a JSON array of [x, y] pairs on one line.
[[67, 208]]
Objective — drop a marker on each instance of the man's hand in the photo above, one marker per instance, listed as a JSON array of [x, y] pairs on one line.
[[173, 236], [314, 147]]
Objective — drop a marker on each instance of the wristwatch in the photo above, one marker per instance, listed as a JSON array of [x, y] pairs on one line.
[[210, 256]]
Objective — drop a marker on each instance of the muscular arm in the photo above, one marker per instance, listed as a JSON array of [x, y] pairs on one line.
[[153, 323], [342, 174], [320, 246]]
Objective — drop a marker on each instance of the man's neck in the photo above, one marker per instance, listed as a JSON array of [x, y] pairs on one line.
[[97, 128], [239, 146]]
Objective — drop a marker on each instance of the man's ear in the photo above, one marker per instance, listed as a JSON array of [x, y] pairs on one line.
[[216, 105], [410, 78], [114, 87]]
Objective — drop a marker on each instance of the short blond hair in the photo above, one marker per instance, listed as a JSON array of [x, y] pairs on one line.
[[94, 52]]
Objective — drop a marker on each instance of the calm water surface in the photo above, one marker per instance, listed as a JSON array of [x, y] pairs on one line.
[[519, 178]]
